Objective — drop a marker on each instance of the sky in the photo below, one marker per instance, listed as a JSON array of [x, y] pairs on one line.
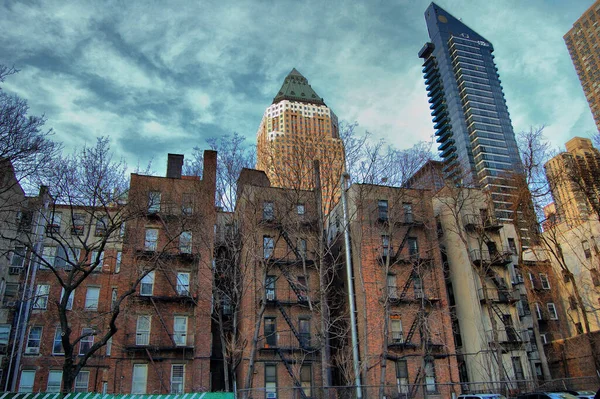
[[162, 77]]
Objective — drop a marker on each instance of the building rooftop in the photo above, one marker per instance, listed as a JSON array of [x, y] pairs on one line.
[[296, 88]]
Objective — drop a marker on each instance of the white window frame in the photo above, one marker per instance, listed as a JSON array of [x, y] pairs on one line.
[[552, 314], [180, 330], [183, 284], [140, 373], [301, 209], [54, 384], [42, 292], [268, 247], [86, 341], [538, 311], [118, 261], [34, 349], [147, 284], [30, 379], [92, 298], [70, 300], [178, 378], [142, 333], [150, 239], [396, 330], [48, 255], [82, 382], [544, 281], [93, 257], [57, 338], [109, 346], [185, 242]]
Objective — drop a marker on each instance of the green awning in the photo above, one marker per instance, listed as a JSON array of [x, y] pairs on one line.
[[90, 395]]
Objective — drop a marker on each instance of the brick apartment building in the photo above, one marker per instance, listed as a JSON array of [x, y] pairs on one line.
[[404, 328], [280, 316], [161, 243]]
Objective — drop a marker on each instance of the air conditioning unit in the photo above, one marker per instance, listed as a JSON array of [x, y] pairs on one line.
[[271, 395], [270, 295], [32, 351]]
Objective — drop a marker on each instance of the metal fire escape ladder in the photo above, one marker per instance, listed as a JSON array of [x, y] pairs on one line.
[[409, 281], [162, 321], [413, 328], [158, 371], [403, 243], [291, 324], [415, 386], [291, 372], [289, 242], [301, 294]]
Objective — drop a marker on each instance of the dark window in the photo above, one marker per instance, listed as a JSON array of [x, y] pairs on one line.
[[586, 249], [268, 211], [579, 328], [385, 245], [430, 383], [595, 277], [304, 331], [270, 380], [408, 213], [402, 376], [382, 206], [518, 368], [512, 245], [270, 332], [270, 288], [413, 246]]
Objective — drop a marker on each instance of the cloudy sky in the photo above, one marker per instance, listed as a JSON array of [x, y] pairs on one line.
[[161, 77]]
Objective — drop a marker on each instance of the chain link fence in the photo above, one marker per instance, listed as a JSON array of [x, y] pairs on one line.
[[510, 389]]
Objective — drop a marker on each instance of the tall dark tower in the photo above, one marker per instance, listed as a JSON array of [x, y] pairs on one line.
[[473, 127]]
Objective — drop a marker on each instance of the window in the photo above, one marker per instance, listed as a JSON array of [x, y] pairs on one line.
[[579, 328], [382, 207], [586, 249], [113, 298], [91, 298], [430, 384], [18, 257], [78, 224], [544, 281], [270, 288], [391, 285], [118, 262], [101, 226], [109, 346], [82, 381], [54, 381], [139, 377], [48, 256], [57, 347], [595, 277], [268, 246], [304, 332], [185, 242], [413, 246], [66, 259], [552, 311], [419, 294], [306, 379], [402, 376], [270, 332], [271, 379], [385, 245], [302, 248], [300, 208], [544, 338], [408, 213], [572, 302], [177, 378], [11, 290], [54, 223], [97, 260], [187, 204], [26, 382], [183, 284], [518, 368], [302, 288], [180, 330], [87, 341], [512, 245], [151, 240], [4, 334], [69, 301], [147, 284], [538, 311], [41, 296], [268, 211], [142, 334], [33, 341], [154, 201], [396, 327], [122, 230]]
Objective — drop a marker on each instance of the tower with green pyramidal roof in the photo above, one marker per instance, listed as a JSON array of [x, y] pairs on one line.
[[296, 129]]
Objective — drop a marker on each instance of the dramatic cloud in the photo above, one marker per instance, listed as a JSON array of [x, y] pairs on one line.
[[162, 78]]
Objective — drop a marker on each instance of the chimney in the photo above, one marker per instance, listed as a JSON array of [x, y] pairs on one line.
[[174, 165]]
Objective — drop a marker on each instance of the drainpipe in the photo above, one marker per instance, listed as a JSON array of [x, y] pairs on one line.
[[26, 298], [350, 278]]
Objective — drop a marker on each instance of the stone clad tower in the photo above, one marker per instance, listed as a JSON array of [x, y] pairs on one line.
[[296, 129]]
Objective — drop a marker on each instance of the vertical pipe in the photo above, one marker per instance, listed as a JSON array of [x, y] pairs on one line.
[[349, 276]]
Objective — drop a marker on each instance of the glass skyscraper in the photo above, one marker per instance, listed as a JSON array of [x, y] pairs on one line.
[[475, 135]]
